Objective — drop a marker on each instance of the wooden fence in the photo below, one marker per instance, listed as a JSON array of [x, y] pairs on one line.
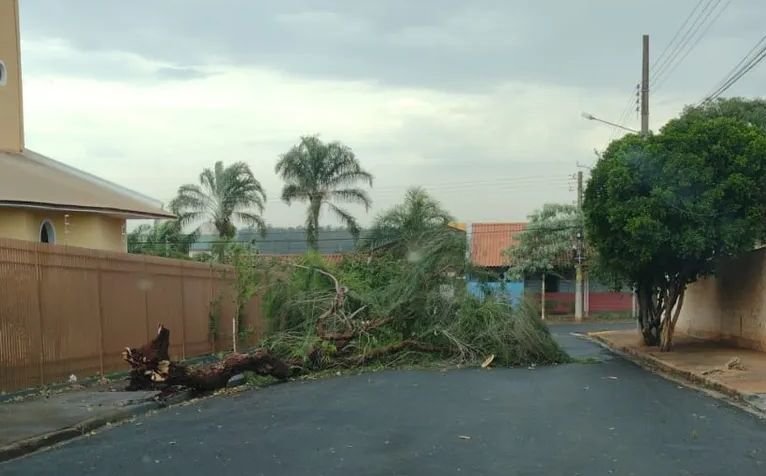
[[66, 310]]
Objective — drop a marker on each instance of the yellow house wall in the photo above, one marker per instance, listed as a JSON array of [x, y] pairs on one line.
[[86, 230], [11, 122]]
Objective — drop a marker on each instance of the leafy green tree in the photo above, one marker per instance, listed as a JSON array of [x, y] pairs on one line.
[[224, 195], [751, 111], [662, 210], [545, 245], [322, 174], [165, 238], [407, 225]]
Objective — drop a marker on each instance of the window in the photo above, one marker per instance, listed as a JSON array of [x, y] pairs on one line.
[[47, 232], [3, 74]]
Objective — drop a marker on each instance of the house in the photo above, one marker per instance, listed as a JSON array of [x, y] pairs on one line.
[[44, 200], [488, 241]]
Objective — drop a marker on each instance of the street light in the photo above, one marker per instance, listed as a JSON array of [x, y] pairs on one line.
[[591, 117]]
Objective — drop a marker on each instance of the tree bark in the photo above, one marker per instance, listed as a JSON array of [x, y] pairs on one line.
[[151, 367], [542, 300], [671, 318], [647, 319]]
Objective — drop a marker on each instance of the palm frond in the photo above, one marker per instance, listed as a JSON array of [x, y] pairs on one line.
[[347, 219], [252, 220], [352, 195]]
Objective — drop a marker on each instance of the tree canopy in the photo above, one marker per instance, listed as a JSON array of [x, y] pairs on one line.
[[323, 174], [224, 195], [410, 223], [546, 243], [660, 210]]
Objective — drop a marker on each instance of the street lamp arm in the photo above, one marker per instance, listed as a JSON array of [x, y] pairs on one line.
[[591, 117]]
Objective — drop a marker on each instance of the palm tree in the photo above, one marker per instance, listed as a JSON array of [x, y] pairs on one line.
[[322, 174], [225, 194], [411, 222], [165, 238]]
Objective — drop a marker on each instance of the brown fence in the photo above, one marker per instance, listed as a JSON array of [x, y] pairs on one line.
[[66, 310]]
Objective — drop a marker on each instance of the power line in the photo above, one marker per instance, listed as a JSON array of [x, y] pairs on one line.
[[671, 64], [495, 184], [748, 62], [678, 32], [697, 41], [632, 99], [683, 40]]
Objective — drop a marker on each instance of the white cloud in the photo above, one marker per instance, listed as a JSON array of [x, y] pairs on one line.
[[491, 155]]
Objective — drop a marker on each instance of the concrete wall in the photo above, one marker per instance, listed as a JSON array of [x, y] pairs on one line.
[[86, 230], [730, 306], [11, 123], [513, 290]]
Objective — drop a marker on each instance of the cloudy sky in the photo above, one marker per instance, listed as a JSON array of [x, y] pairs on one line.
[[478, 101]]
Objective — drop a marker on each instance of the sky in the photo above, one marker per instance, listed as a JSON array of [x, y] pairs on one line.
[[480, 102]]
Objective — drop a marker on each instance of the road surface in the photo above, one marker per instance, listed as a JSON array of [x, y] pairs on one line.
[[608, 417]]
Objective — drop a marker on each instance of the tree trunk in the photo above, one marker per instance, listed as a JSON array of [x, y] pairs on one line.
[[647, 320], [671, 318], [542, 300], [312, 229], [151, 367]]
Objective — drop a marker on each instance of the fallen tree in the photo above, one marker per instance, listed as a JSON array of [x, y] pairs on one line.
[[151, 367], [401, 305]]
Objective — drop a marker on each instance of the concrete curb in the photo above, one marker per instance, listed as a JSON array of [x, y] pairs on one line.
[[46, 440], [669, 370]]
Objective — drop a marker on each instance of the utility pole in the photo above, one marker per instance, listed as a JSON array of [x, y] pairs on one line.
[[645, 87], [644, 121], [579, 256]]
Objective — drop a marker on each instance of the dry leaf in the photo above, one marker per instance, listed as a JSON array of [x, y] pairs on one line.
[[487, 361]]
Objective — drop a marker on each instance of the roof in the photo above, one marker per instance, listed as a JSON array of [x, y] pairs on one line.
[[32, 180], [285, 242], [489, 240]]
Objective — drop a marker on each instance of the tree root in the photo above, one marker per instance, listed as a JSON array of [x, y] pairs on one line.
[[151, 368]]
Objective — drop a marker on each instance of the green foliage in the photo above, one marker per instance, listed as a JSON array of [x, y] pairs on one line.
[[409, 224], [292, 294], [421, 301], [322, 174], [225, 194], [750, 111], [545, 246], [492, 327], [662, 210], [165, 238]]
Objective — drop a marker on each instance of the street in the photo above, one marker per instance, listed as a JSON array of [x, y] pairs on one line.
[[600, 416]]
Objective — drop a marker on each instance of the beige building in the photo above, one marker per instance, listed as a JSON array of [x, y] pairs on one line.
[[730, 306], [45, 200]]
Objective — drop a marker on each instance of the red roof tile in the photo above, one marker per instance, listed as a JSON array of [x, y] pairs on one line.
[[489, 240]]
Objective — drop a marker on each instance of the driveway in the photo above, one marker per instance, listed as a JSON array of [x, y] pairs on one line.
[[608, 417]]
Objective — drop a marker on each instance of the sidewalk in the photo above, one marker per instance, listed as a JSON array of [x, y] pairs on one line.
[[36, 423], [735, 372]]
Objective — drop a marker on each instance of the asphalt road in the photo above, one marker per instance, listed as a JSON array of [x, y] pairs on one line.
[[608, 417]]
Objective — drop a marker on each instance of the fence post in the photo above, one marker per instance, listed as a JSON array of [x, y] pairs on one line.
[[145, 288], [210, 307], [100, 322], [183, 312], [39, 279]]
